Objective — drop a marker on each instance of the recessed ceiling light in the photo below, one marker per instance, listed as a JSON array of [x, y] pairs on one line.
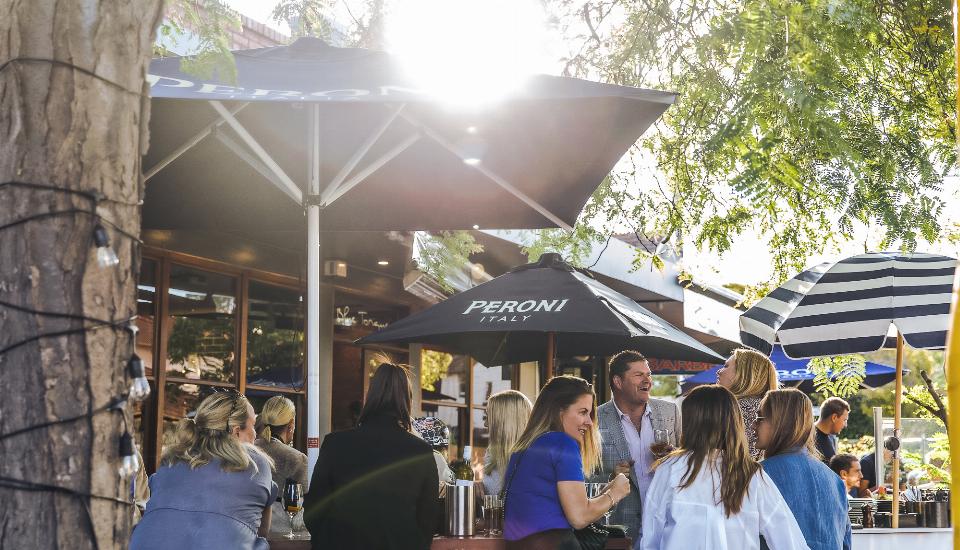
[[471, 129], [383, 262], [471, 161]]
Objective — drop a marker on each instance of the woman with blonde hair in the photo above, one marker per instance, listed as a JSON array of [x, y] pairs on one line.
[[816, 496], [278, 420], [709, 493], [544, 494], [749, 375], [507, 415], [213, 489]]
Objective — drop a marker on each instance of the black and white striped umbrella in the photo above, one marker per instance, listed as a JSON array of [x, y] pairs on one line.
[[847, 307]]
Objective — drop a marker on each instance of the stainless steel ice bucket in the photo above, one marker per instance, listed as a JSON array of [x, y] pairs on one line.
[[460, 513]]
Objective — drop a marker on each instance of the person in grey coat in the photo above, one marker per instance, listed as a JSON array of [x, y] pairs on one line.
[[278, 420], [630, 424]]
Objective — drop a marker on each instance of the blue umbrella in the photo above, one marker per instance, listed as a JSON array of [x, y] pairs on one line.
[[790, 371]]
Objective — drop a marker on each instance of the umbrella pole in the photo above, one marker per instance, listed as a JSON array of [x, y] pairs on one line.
[[551, 353], [895, 519]]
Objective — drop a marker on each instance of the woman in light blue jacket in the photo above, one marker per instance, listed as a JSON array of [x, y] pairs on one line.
[[814, 494]]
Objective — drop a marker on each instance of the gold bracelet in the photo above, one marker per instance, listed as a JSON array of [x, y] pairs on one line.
[[613, 503]]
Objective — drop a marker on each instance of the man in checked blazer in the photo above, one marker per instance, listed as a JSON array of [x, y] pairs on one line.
[[629, 424]]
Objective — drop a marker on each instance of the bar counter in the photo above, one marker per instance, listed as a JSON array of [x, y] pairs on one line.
[[925, 538], [445, 543]]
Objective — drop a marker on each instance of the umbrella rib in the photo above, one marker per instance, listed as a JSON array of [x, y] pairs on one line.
[[526, 199], [189, 144], [370, 169], [244, 155], [261, 153], [362, 151]]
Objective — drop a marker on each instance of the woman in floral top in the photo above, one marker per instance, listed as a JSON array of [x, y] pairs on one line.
[[749, 375]]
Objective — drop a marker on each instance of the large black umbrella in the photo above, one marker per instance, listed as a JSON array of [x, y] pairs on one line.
[[387, 155], [516, 316]]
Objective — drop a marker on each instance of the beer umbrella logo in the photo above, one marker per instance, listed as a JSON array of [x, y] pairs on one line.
[[512, 317]]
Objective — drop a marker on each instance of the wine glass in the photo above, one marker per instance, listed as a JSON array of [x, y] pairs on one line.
[[662, 442], [292, 502]]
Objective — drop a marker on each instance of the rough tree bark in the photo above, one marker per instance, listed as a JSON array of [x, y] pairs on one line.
[[70, 128]]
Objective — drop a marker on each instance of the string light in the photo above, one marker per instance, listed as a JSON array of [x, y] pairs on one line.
[[139, 386], [129, 464], [106, 257]]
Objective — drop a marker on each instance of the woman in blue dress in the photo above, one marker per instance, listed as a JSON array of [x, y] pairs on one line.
[[213, 489]]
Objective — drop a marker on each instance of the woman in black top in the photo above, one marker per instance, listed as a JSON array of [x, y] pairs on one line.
[[375, 486]]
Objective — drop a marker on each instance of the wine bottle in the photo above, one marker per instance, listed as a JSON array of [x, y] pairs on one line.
[[462, 470]]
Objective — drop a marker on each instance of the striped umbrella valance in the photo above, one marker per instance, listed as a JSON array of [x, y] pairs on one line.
[[847, 306]]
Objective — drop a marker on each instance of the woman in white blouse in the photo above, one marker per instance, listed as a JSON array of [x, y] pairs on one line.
[[709, 494]]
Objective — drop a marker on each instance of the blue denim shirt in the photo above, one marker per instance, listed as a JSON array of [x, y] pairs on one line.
[[815, 495]]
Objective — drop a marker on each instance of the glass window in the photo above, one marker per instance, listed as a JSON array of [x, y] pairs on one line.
[[490, 380], [456, 420], [146, 312], [444, 376], [275, 350], [202, 325], [180, 401], [142, 412]]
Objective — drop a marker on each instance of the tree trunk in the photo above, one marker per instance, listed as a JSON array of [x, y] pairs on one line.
[[80, 127]]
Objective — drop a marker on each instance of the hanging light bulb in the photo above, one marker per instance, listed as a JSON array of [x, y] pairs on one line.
[[106, 257], [139, 386], [129, 464]]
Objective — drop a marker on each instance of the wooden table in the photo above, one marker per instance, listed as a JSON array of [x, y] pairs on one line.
[[445, 543], [497, 543]]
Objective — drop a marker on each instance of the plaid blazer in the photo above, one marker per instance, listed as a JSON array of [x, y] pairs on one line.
[[663, 415]]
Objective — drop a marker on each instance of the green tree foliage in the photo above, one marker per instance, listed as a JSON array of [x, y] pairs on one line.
[[433, 367], [207, 23], [840, 376], [799, 119]]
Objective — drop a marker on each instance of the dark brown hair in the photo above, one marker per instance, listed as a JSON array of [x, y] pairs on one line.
[[789, 414], [842, 462], [832, 406], [619, 363], [712, 422], [390, 394]]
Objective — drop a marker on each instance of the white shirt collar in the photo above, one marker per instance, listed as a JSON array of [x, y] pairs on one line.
[[621, 415]]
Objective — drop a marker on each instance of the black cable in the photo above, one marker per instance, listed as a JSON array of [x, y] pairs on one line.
[[56, 334], [88, 72], [115, 405], [92, 196]]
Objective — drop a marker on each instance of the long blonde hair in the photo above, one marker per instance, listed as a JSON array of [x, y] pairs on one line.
[[507, 415], [277, 412], [557, 395], [207, 436], [789, 414], [755, 374], [713, 426]]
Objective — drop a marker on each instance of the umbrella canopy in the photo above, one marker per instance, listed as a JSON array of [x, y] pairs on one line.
[[508, 319], [848, 306], [791, 371], [386, 154]]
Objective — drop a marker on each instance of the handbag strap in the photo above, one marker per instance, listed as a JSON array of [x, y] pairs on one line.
[[506, 486]]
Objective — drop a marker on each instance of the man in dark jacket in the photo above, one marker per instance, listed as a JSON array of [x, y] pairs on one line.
[[374, 487]]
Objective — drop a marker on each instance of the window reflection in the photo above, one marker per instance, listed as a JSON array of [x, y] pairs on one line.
[[202, 335], [180, 401], [146, 312], [274, 336]]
